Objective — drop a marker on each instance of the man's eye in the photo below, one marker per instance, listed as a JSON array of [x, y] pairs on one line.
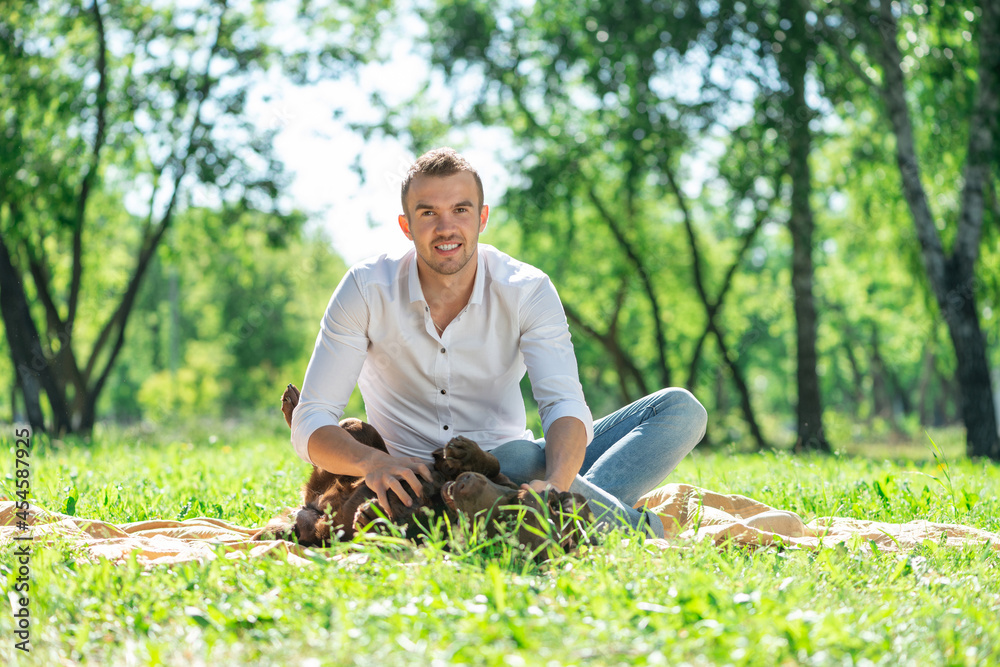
[[461, 209]]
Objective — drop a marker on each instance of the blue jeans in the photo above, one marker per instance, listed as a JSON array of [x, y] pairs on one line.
[[633, 451]]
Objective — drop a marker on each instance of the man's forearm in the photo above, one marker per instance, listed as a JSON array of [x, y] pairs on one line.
[[333, 449], [565, 447]]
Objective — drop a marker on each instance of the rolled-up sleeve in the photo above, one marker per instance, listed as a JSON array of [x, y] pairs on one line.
[[339, 354], [550, 360]]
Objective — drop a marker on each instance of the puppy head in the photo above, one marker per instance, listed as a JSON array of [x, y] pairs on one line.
[[540, 522], [472, 493]]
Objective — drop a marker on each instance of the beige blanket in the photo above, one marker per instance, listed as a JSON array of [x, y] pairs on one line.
[[152, 542], [691, 513], [688, 514]]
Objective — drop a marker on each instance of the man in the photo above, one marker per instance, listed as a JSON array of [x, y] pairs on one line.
[[438, 340]]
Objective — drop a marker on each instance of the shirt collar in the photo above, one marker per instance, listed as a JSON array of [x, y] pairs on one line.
[[478, 287], [480, 284], [416, 292]]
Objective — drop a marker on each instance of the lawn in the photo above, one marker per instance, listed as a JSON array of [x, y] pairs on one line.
[[620, 602]]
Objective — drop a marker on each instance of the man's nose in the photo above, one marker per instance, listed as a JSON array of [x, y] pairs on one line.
[[446, 222]]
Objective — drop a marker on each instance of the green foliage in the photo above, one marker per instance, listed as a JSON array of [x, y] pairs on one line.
[[625, 118], [598, 132], [221, 333], [382, 602], [602, 106], [118, 118]]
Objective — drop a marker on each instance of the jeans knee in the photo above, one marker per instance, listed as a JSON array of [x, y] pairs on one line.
[[685, 406], [521, 460], [699, 415]]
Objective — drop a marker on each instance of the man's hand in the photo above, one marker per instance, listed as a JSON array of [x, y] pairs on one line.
[[565, 446], [388, 473], [540, 485]]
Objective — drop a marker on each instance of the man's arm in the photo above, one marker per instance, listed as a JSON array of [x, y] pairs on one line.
[[337, 358], [332, 448], [565, 446], [551, 363], [340, 352]]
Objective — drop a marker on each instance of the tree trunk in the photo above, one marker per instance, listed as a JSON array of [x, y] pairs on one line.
[[14, 387], [741, 387], [857, 379], [952, 277], [624, 364], [810, 409], [32, 368], [881, 401], [711, 310], [793, 61], [721, 397], [973, 373], [902, 401], [61, 373], [926, 375], [647, 284], [28, 384]]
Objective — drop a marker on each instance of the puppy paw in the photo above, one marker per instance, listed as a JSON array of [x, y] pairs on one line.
[[279, 528], [289, 399], [463, 455]]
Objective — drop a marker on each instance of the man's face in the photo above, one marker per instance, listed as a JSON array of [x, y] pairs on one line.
[[443, 222]]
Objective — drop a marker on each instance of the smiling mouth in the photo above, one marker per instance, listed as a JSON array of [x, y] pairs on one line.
[[447, 247]]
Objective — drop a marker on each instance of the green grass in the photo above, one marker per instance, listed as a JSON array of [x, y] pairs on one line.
[[619, 602]]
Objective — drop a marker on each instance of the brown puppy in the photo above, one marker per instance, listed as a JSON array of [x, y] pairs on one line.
[[337, 506], [326, 497], [466, 479]]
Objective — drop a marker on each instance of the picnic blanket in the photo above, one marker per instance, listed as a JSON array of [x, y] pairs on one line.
[[689, 514], [692, 513], [153, 542]]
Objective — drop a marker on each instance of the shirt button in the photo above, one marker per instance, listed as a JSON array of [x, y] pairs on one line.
[[442, 350], [446, 428], [443, 391]]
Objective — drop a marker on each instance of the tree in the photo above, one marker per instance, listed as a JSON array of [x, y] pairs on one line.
[[794, 59], [952, 275], [603, 138], [107, 105], [705, 186]]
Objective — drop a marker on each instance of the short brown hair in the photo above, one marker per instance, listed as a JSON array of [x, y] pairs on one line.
[[443, 161]]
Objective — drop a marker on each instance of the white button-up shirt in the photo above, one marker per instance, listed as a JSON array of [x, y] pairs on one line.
[[422, 389]]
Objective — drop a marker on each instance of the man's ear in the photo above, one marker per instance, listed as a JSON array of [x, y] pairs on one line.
[[484, 215], [404, 224]]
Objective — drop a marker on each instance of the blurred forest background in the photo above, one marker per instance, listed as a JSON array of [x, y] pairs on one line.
[[787, 206]]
